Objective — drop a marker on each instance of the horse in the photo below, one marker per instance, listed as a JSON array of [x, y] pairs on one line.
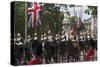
[[62, 51], [73, 51]]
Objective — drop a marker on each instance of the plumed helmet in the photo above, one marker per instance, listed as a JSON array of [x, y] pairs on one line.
[[29, 36], [35, 34], [42, 35], [45, 34], [63, 32], [18, 34], [57, 35], [49, 32]]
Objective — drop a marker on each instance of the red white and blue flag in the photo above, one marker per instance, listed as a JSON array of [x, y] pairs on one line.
[[34, 14]]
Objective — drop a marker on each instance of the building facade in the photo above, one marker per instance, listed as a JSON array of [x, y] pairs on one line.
[[91, 24]]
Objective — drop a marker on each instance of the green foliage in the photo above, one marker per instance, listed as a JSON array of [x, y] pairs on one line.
[[72, 20], [19, 16], [51, 20], [91, 10]]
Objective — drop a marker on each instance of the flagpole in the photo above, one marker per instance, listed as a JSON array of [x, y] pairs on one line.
[[25, 22]]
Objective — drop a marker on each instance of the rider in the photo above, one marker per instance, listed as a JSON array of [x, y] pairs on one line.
[[19, 40]]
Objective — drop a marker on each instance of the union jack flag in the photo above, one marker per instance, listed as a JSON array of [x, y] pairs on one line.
[[34, 14]]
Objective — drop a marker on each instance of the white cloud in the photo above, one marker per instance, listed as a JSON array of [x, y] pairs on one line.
[[78, 10]]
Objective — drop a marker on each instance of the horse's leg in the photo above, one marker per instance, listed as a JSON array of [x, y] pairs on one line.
[[67, 57]]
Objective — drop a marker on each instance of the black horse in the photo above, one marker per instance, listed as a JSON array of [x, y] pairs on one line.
[[62, 51], [73, 51], [47, 52]]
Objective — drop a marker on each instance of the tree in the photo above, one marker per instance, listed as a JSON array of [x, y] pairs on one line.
[[91, 10], [72, 20], [52, 19], [19, 17]]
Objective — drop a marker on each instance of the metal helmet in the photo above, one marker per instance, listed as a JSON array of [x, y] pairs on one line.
[[35, 34], [63, 32], [35, 38], [18, 34], [49, 32], [57, 35], [29, 36], [42, 35], [45, 34], [81, 33]]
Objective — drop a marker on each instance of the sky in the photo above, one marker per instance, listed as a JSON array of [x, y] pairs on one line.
[[82, 10], [78, 11]]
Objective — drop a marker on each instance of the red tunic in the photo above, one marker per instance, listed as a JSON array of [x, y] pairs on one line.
[[35, 60], [90, 54]]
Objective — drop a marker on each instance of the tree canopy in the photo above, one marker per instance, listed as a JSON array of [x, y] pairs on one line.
[[91, 10], [52, 19]]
